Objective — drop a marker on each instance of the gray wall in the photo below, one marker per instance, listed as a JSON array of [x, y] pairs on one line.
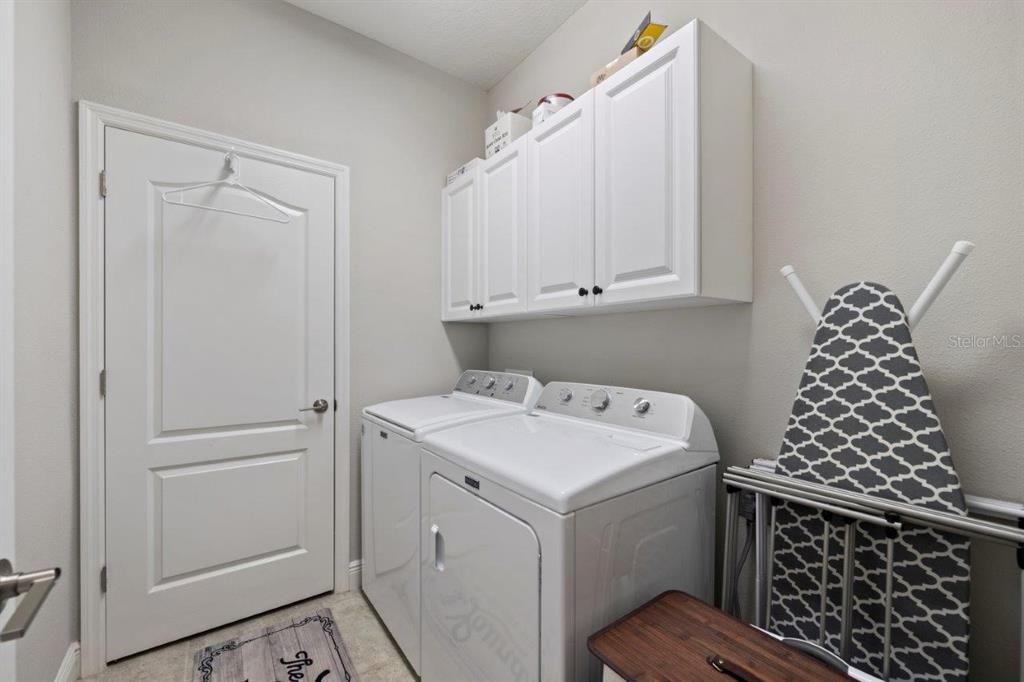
[[274, 74], [883, 132], [46, 328]]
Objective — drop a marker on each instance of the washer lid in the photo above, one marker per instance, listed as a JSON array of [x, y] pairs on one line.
[[420, 416], [562, 463]]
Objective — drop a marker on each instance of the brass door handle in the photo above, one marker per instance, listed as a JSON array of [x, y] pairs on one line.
[[319, 405]]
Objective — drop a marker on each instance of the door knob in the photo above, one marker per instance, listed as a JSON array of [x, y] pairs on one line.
[[37, 584], [319, 405]]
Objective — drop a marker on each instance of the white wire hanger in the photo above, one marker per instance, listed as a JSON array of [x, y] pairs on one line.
[[231, 161]]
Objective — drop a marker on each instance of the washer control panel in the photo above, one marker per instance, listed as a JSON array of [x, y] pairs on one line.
[[669, 414], [514, 388]]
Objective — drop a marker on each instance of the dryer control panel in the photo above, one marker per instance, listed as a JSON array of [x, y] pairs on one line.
[[508, 386], [666, 414]]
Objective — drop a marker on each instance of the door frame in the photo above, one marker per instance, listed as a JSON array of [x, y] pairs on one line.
[[7, 527], [93, 119]]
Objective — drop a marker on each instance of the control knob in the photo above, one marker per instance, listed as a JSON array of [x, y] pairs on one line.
[[489, 382], [599, 400], [510, 385], [472, 379], [642, 405], [565, 395]]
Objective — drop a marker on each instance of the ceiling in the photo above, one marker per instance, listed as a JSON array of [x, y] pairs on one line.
[[479, 41]]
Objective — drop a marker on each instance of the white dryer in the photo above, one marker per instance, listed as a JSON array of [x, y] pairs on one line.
[[541, 528], [391, 433]]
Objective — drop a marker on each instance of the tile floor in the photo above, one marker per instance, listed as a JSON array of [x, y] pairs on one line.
[[372, 651]]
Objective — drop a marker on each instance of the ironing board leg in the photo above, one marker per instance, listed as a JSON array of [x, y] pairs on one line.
[[760, 567], [849, 549], [729, 550], [773, 503], [887, 647], [823, 599]]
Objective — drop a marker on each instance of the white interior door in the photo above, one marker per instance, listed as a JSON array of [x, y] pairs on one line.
[[561, 208], [219, 329], [458, 247], [646, 161], [503, 232], [480, 589]]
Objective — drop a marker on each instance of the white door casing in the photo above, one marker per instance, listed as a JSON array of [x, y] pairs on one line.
[[646, 158], [7, 511], [459, 215], [502, 232], [181, 565], [560, 208]]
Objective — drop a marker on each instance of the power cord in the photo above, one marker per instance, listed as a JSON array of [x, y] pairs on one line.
[[748, 511]]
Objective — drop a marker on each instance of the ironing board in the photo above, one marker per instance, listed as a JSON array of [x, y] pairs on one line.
[[863, 421]]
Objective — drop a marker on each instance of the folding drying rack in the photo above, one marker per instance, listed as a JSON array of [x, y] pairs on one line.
[[845, 507]]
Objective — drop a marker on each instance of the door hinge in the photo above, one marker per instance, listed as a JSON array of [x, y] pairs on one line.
[[103, 383], [103, 183], [335, 404], [103, 580]]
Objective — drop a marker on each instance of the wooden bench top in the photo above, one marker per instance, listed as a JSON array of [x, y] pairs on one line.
[[672, 636]]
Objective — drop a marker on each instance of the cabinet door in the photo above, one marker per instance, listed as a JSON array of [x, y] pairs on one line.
[[502, 232], [480, 589], [458, 247], [560, 211], [647, 207]]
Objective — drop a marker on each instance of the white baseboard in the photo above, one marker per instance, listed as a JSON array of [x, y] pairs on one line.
[[69, 667], [355, 574]]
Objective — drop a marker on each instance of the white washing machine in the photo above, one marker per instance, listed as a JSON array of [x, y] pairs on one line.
[[541, 528], [391, 433]]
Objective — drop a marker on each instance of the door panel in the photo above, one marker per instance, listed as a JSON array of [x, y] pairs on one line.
[[561, 208], [204, 267], [645, 157], [503, 232], [481, 590], [391, 541], [458, 247], [219, 328]]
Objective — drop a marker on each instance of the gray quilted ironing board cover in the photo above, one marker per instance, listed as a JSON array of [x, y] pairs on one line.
[[863, 420]]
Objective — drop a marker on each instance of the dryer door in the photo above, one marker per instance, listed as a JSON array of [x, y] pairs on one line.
[[481, 590]]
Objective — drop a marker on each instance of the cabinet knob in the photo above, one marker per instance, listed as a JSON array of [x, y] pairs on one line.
[[597, 290], [583, 291]]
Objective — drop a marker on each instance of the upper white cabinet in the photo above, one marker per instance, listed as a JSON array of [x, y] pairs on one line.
[[459, 206], [673, 165], [637, 195], [560, 211], [483, 238], [502, 240]]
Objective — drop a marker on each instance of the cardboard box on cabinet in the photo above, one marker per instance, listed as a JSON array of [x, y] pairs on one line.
[[504, 132]]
